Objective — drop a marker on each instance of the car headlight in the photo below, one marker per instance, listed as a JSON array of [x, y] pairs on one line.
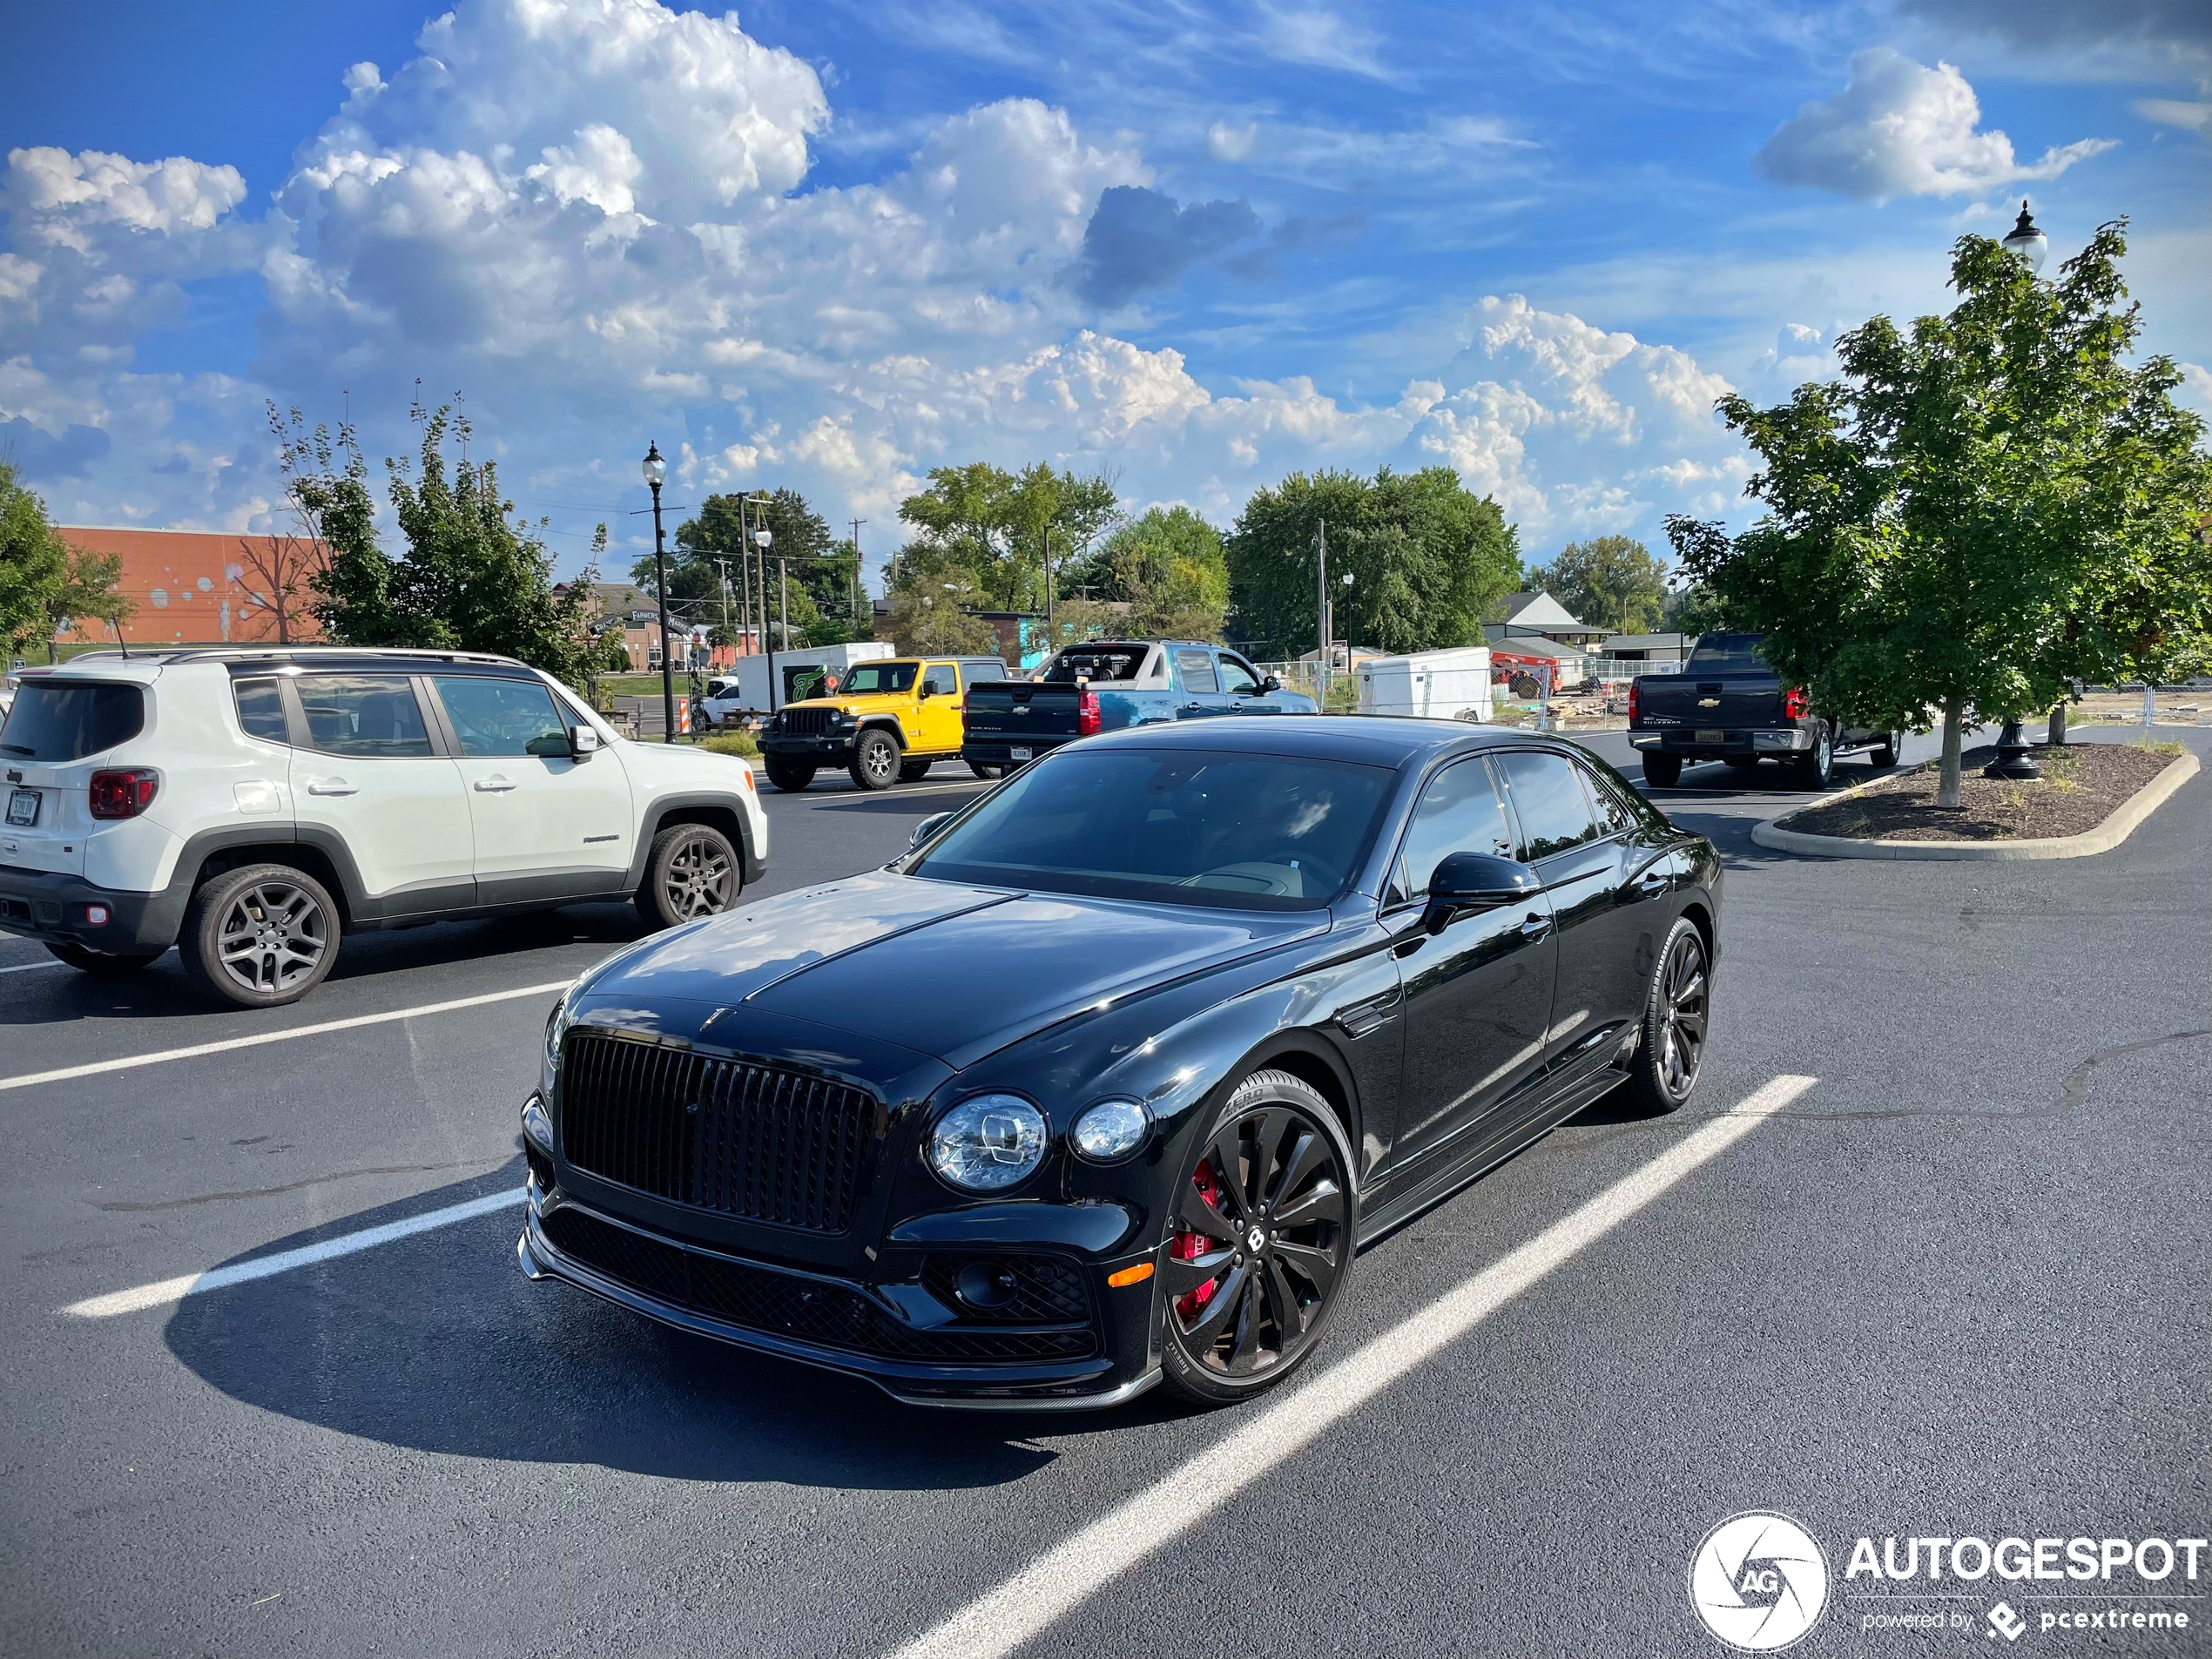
[[987, 1142], [1111, 1131], [549, 1070]]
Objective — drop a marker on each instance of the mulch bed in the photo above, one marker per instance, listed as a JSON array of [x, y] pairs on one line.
[[2084, 783]]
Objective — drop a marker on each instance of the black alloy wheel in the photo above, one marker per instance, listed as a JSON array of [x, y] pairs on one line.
[[105, 963], [1260, 1242], [1670, 1049], [875, 760], [1818, 767], [691, 872], [261, 936], [1662, 771], [789, 775]]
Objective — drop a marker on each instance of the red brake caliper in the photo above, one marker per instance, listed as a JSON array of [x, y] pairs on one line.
[[1189, 1246]]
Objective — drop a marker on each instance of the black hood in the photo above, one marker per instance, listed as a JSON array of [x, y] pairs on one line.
[[932, 967]]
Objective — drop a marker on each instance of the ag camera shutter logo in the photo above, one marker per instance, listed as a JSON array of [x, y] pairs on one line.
[[1758, 1581]]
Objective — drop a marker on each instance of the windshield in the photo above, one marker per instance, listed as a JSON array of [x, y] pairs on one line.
[[878, 676], [1249, 831], [1728, 654], [51, 721]]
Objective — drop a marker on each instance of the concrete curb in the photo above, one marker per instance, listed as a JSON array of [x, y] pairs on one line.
[[2108, 835]]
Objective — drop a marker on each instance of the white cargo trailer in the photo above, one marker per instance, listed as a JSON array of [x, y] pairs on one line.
[[1438, 685], [742, 688]]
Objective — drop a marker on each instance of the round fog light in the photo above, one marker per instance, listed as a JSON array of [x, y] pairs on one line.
[[1111, 1131]]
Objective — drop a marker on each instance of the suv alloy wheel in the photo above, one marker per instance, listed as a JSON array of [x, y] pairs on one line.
[[693, 871], [875, 760], [259, 937]]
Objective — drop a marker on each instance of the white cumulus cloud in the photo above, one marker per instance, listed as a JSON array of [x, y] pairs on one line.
[[1899, 128]]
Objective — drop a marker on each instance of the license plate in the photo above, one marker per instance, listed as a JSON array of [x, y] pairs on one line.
[[23, 807], [1712, 735], [1019, 754]]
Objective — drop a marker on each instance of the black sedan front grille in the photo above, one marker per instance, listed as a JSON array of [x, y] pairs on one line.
[[807, 723], [759, 1141], [821, 1312]]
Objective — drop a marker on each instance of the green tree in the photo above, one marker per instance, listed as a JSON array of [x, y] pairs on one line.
[[1611, 581], [716, 540], [471, 579], [1000, 526], [87, 593], [1978, 510], [930, 612], [1693, 608], [34, 564], [1168, 566], [1426, 559]]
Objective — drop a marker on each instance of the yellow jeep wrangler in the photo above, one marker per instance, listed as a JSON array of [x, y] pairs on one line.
[[887, 723]]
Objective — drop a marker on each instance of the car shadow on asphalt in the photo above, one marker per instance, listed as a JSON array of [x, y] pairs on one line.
[[61, 995], [436, 1343]]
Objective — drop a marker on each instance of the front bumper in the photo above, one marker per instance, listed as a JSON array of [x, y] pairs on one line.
[[835, 749], [891, 1331], [47, 904], [1753, 741]]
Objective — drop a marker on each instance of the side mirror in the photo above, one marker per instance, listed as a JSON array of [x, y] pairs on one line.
[[929, 690], [927, 828], [1476, 881], [583, 741], [1271, 683]]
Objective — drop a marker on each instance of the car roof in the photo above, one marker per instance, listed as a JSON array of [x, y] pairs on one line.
[[1369, 739], [355, 656]]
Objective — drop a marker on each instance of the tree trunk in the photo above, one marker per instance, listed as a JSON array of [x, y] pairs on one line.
[[2057, 734], [1947, 779]]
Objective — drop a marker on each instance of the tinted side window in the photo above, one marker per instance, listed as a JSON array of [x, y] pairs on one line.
[[492, 717], [978, 672], [363, 714], [1236, 679], [261, 710], [1197, 668], [1614, 817], [1459, 812], [60, 721], [940, 679], [1554, 813]]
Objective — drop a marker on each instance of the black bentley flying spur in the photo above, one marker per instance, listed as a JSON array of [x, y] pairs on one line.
[[1102, 1082]]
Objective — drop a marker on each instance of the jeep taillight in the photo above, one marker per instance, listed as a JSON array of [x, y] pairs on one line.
[[1793, 704], [1633, 711], [124, 794], [1088, 716]]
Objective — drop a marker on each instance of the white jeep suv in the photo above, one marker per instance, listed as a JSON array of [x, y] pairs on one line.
[[251, 806]]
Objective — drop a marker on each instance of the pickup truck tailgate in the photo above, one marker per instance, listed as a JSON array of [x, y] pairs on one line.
[[1015, 709], [1731, 700]]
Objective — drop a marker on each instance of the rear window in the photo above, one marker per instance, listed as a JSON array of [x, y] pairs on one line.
[[1099, 662], [53, 721], [1728, 654]]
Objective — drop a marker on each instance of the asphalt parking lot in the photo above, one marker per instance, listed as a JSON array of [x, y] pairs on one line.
[[1957, 1286]]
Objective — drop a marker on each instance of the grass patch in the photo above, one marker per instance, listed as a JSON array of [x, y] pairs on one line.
[[740, 744]]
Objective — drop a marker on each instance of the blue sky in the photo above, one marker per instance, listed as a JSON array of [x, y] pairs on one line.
[[832, 245]]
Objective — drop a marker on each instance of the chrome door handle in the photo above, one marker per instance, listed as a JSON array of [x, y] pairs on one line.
[[331, 786], [1654, 881], [1194, 705], [1536, 926], [494, 784]]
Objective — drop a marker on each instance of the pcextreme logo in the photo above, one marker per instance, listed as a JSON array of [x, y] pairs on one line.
[[1758, 1581]]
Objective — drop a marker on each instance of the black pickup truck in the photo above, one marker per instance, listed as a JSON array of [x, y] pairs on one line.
[[1728, 704]]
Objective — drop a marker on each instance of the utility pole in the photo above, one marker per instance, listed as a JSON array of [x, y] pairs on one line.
[[1051, 636], [858, 587], [723, 566], [1321, 617]]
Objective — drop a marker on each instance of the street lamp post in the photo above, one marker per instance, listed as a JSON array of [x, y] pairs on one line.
[[656, 472], [2014, 762], [762, 539]]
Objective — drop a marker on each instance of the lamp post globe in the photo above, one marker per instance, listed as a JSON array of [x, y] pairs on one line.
[[656, 470], [2026, 242]]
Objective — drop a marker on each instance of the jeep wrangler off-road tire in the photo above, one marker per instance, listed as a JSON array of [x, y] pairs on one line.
[[791, 775], [875, 760]]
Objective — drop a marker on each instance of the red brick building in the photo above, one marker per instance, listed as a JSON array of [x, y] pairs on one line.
[[204, 587]]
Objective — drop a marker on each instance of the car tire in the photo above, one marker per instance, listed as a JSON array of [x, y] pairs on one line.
[[790, 775], [690, 871], [985, 770], [913, 771], [875, 760], [1274, 1163], [103, 963], [1818, 767], [1890, 751], [259, 936], [1677, 1008], [1662, 772]]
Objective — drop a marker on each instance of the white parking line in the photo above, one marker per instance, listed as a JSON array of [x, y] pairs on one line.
[[24, 967], [1076, 1570], [175, 1290], [159, 1056]]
